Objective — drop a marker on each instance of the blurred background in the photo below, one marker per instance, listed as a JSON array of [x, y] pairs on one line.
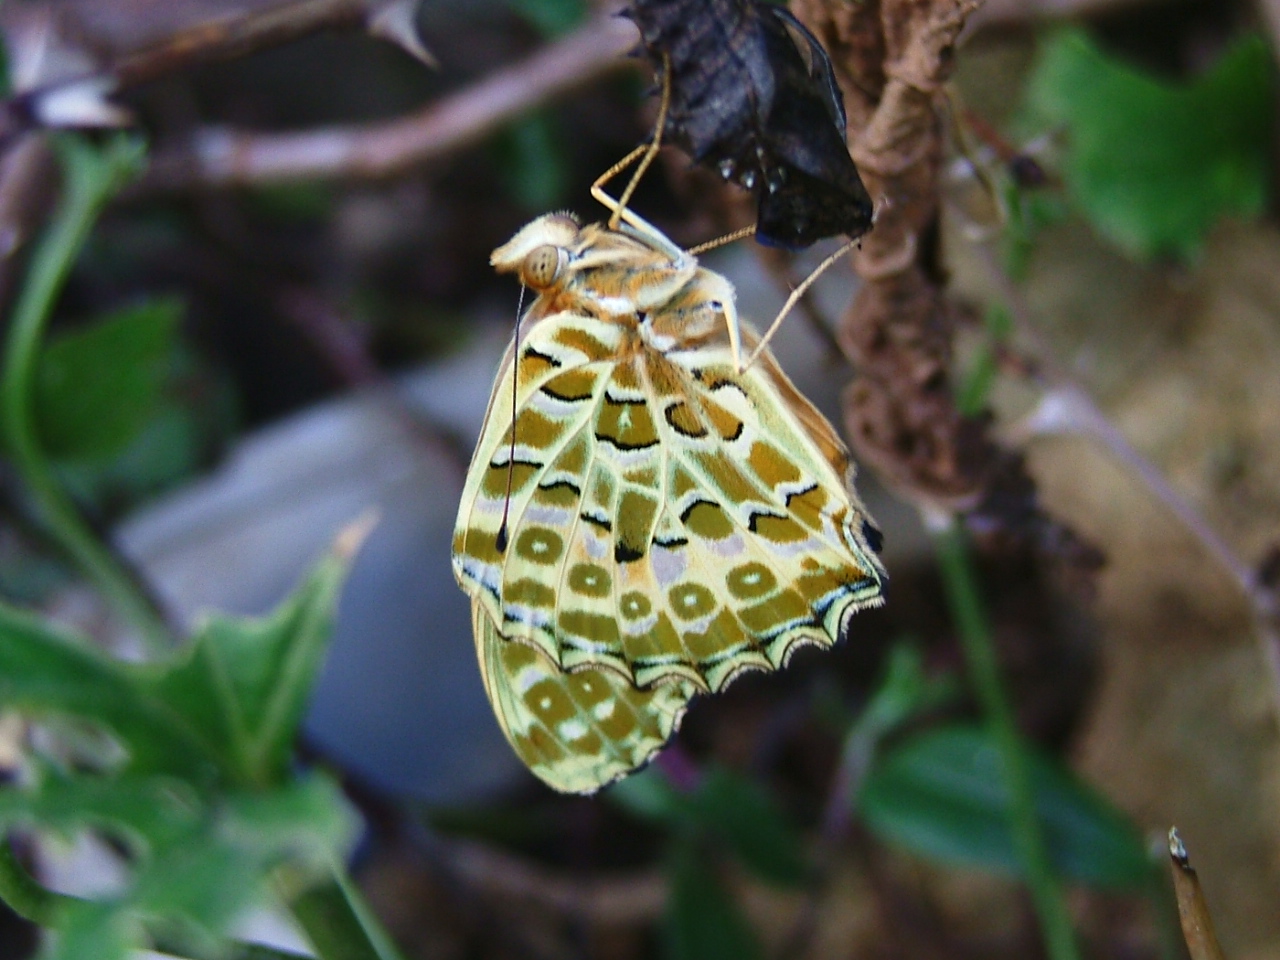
[[289, 317]]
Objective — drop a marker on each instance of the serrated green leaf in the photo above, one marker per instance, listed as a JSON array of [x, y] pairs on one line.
[[232, 699], [46, 672], [1152, 164], [98, 386], [244, 682], [746, 819], [942, 795], [148, 812], [702, 921], [308, 822]]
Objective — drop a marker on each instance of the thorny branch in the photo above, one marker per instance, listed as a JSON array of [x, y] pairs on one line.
[[224, 158], [75, 96]]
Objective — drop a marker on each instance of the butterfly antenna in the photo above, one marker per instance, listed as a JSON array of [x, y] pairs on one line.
[[721, 241], [792, 300], [501, 539]]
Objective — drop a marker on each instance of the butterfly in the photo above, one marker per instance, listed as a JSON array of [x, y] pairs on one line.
[[753, 94], [645, 517]]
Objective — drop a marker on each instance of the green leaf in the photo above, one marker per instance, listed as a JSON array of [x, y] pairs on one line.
[[1153, 164], [746, 819], [648, 796], [244, 683], [93, 931], [206, 880], [942, 795], [702, 921], [229, 704], [147, 812], [46, 672], [97, 387], [727, 807]]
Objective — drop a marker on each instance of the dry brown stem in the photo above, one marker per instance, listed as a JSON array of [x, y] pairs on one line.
[[1193, 909], [892, 57], [224, 158]]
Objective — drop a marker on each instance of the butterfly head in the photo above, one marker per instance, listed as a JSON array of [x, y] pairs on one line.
[[538, 254]]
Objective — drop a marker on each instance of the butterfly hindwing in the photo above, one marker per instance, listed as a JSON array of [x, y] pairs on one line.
[[577, 731]]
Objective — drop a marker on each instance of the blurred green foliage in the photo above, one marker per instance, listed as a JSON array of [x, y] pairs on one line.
[[98, 386], [942, 794], [551, 18], [533, 163], [1150, 163], [204, 797], [703, 921]]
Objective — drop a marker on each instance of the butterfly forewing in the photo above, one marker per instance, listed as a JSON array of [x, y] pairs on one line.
[[669, 521]]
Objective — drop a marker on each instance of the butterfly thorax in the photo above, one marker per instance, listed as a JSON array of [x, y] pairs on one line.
[[656, 292]]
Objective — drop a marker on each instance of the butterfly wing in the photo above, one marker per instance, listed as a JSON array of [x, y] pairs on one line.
[[576, 731], [668, 518], [758, 548], [661, 524]]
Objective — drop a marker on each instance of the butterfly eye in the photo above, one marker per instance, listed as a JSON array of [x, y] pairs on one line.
[[541, 267]]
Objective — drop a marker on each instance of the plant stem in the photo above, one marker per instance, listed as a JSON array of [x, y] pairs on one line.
[[92, 177], [27, 898], [979, 648], [339, 923]]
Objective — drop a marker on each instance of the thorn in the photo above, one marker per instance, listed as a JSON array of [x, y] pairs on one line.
[[82, 103], [352, 537], [397, 21]]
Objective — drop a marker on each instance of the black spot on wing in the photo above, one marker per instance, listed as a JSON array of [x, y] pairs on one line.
[[533, 353], [874, 538], [624, 552], [601, 522], [562, 485]]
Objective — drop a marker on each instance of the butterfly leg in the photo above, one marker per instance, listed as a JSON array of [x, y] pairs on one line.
[[652, 150], [792, 300], [597, 189]]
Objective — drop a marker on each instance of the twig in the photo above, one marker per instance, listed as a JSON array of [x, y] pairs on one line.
[[347, 355], [1193, 909], [82, 100], [225, 158]]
